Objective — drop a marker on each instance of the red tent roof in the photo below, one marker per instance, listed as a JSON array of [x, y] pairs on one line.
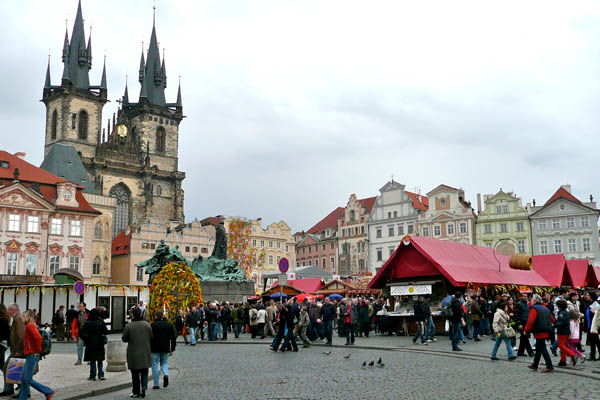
[[307, 285], [562, 193], [459, 263], [551, 267], [593, 276], [578, 270]]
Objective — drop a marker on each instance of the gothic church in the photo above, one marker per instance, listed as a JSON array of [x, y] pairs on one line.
[[134, 160]]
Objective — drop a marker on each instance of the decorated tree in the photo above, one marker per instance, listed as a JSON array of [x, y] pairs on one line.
[[174, 288], [238, 245]]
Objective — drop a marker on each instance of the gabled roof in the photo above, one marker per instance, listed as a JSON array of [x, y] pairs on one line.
[[330, 221], [343, 283], [551, 267], [419, 202], [392, 185], [121, 244], [63, 161], [578, 270], [460, 263], [367, 203], [307, 285], [442, 187], [564, 194]]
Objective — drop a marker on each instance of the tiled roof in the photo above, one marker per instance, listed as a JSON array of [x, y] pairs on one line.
[[368, 203], [307, 285], [120, 244], [330, 221], [419, 202], [27, 172], [562, 193], [63, 161]]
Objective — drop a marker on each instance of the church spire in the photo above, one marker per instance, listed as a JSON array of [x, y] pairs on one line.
[[78, 57], [125, 95], [89, 51], [103, 80], [153, 81], [47, 83], [178, 103], [65, 52]]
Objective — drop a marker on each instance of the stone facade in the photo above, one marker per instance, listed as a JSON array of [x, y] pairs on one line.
[[129, 249], [319, 251], [565, 225], [393, 216], [503, 219], [352, 237], [448, 217]]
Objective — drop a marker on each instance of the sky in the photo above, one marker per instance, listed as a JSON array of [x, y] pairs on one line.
[[292, 106]]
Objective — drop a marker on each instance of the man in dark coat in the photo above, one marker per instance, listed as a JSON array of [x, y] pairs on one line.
[[192, 322], [421, 314], [71, 314], [138, 335], [93, 333], [163, 343], [521, 317], [456, 320], [328, 313]]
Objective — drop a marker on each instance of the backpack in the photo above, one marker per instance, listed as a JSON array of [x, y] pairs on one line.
[[241, 313], [46, 343], [448, 313]]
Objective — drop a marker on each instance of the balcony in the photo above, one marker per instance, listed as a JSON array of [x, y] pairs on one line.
[[21, 279]]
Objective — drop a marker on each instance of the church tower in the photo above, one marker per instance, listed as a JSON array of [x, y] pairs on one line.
[[136, 158], [74, 108]]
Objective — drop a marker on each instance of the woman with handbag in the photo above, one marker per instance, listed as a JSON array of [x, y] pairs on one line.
[[93, 333], [504, 332], [32, 349]]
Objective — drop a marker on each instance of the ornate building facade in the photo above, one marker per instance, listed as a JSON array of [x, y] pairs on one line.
[[352, 236], [135, 160]]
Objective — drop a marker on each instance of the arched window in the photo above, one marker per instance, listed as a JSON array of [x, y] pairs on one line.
[[54, 125], [122, 215], [83, 125], [160, 139], [96, 266], [158, 190], [98, 231]]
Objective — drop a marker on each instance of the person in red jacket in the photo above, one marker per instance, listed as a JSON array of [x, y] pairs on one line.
[[540, 324], [33, 348]]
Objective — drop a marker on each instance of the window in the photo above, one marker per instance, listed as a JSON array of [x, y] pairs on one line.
[[410, 229], [442, 202], [82, 133], [253, 242], [488, 244], [378, 233], [558, 246], [75, 228], [104, 301], [262, 243], [74, 262], [450, 229], [521, 246], [187, 249], [122, 215], [323, 263], [31, 261], [391, 251], [332, 245], [379, 254], [323, 246], [572, 244], [498, 209], [160, 139], [139, 274], [585, 222], [362, 230], [391, 231], [270, 260], [542, 225], [316, 248], [33, 224], [204, 250], [437, 230], [67, 195], [152, 246], [503, 228], [543, 247], [14, 222], [487, 228], [54, 125], [570, 222], [304, 250], [400, 230], [425, 231], [54, 264], [96, 266], [195, 249], [520, 227], [505, 209], [278, 245], [287, 248], [352, 215], [389, 215], [345, 248], [316, 262], [331, 262], [555, 223], [270, 244], [12, 260], [131, 302], [343, 232], [56, 226], [309, 249], [98, 231], [463, 227], [586, 244]]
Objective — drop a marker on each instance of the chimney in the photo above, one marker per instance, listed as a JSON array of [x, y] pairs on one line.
[[534, 202], [478, 203], [567, 187], [20, 155]]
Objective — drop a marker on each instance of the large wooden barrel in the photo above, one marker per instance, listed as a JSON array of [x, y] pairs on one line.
[[520, 261]]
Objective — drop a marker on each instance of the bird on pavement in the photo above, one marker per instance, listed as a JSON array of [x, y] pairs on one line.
[[348, 356], [364, 364], [327, 352], [379, 361], [371, 363], [381, 365]]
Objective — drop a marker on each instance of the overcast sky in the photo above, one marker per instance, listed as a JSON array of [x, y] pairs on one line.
[[294, 105]]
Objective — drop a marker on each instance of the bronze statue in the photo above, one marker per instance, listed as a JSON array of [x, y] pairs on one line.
[[220, 250]]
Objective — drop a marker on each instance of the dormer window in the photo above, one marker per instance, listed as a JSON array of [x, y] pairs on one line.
[[68, 194], [4, 164]]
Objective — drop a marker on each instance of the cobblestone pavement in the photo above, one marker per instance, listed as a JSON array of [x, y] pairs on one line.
[[251, 371]]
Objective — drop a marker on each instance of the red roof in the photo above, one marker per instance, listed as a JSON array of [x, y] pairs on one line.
[[330, 221], [562, 193], [459, 263], [307, 285], [418, 202], [551, 267], [578, 270], [120, 244], [593, 277], [368, 203], [27, 172]]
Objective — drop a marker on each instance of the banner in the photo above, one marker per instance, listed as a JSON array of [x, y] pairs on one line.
[[410, 290]]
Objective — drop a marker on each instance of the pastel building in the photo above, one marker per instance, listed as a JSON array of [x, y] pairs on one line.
[[449, 216], [353, 237], [319, 245], [565, 225], [503, 219], [393, 215]]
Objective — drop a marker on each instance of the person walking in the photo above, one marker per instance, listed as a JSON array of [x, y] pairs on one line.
[[93, 335], [58, 320], [192, 321], [15, 344], [162, 343], [563, 330], [349, 315], [456, 320], [574, 335], [261, 318], [4, 333], [521, 317], [540, 324], [420, 315], [32, 347], [500, 326], [303, 326], [270, 318], [290, 322], [76, 327], [253, 320], [138, 335], [328, 313]]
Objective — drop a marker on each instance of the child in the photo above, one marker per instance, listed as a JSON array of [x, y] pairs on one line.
[[574, 336], [563, 330]]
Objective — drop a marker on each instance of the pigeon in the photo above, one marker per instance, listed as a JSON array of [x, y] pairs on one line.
[[327, 352], [371, 363], [379, 362], [381, 365], [348, 356], [365, 364]]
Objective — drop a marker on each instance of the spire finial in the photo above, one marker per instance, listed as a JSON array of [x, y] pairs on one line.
[[154, 13]]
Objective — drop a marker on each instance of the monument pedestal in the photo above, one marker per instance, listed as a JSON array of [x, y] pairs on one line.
[[116, 356], [226, 290]]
